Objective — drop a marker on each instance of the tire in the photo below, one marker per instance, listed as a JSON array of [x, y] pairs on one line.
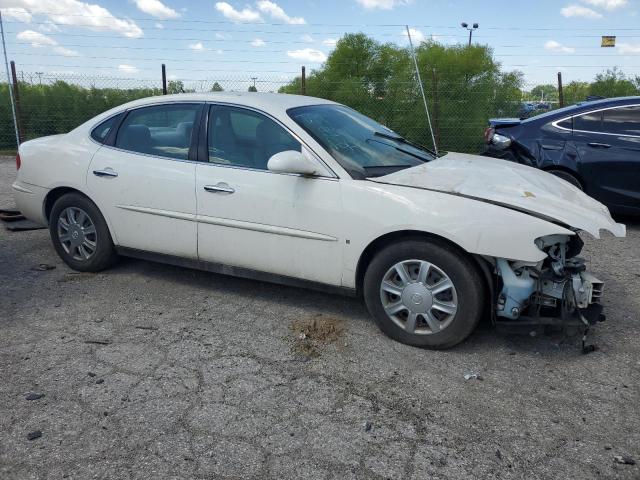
[[71, 241], [567, 177], [443, 330]]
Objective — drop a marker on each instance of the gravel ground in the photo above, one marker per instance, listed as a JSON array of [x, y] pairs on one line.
[[153, 371]]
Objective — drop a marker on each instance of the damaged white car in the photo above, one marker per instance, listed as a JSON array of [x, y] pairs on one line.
[[306, 192]]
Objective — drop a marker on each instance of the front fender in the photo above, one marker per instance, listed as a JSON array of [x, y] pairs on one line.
[[373, 210]]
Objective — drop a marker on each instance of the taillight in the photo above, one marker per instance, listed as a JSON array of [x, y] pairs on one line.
[[488, 133], [18, 162]]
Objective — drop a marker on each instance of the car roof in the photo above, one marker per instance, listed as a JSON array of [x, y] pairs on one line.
[[261, 101], [583, 107]]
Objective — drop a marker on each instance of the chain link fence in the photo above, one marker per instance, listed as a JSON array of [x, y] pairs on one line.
[[51, 104]]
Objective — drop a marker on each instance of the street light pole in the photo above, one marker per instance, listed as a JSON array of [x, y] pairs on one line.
[[470, 28]]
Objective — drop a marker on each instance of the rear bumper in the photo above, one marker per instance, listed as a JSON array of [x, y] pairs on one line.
[[30, 200]]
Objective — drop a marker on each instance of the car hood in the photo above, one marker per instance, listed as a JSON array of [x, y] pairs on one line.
[[510, 185]]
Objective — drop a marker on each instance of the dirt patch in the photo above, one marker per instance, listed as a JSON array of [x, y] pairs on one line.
[[312, 335]]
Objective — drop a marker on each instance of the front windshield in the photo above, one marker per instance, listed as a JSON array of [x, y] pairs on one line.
[[361, 145]]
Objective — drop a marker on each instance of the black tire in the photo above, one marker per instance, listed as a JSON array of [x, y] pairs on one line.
[[567, 177], [104, 254], [460, 269]]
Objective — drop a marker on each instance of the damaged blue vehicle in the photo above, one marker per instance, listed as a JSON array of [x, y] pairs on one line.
[[594, 145]]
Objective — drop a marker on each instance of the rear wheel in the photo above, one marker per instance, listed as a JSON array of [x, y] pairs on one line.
[[424, 293], [567, 177], [80, 234]]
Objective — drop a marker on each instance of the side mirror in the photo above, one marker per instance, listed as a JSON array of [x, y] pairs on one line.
[[291, 161]]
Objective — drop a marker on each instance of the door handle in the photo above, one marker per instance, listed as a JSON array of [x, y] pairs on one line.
[[107, 172], [599, 145], [219, 188]]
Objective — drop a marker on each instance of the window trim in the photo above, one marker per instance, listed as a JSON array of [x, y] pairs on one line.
[[555, 123], [111, 133], [203, 148]]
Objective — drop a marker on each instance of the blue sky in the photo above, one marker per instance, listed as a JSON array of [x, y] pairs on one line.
[[270, 40]]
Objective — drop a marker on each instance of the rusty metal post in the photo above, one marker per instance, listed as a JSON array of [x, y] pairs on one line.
[[560, 92], [436, 107], [16, 96], [164, 80], [303, 82]]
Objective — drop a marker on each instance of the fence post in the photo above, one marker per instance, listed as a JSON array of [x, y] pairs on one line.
[[560, 93], [16, 96], [164, 80], [303, 82]]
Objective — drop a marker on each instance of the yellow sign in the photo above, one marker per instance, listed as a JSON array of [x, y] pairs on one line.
[[608, 42]]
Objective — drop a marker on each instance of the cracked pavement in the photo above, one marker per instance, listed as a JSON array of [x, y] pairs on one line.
[[154, 371]]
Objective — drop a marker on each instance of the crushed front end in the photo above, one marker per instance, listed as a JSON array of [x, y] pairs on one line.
[[555, 292]]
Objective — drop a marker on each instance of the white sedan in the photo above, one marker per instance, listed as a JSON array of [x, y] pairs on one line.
[[307, 192]]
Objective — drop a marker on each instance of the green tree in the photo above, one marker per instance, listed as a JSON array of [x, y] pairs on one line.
[[547, 93], [614, 83], [217, 87], [175, 86], [252, 88]]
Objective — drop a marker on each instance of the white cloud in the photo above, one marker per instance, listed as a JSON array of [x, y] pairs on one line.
[[554, 46], [579, 11], [330, 42], [49, 27], [258, 42], [38, 40], [65, 51], [626, 48], [156, 9], [127, 68], [196, 46], [307, 38], [607, 4], [275, 11], [245, 15], [159, 26], [19, 14], [383, 4], [417, 36], [77, 13], [222, 36], [307, 54]]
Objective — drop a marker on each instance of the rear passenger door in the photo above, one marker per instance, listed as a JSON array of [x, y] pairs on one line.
[[608, 144], [143, 179]]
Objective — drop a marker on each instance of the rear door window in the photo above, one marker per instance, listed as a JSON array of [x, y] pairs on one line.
[[100, 133], [622, 121], [162, 130], [588, 122]]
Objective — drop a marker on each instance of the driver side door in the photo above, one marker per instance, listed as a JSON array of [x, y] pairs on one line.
[[252, 218]]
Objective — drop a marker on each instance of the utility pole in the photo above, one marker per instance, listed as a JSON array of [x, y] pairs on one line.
[[6, 64], [39, 77], [470, 28], [254, 81], [424, 97]]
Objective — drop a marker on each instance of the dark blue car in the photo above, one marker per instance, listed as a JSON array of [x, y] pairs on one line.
[[594, 145]]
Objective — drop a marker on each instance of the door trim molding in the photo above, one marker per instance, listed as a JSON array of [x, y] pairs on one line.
[[227, 222]]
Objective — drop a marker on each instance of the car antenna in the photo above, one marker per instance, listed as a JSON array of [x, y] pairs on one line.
[[424, 97]]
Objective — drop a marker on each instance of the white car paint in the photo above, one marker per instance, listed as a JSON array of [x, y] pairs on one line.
[[311, 228], [513, 185]]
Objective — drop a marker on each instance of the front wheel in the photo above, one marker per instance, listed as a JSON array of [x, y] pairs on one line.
[[424, 293], [80, 234]]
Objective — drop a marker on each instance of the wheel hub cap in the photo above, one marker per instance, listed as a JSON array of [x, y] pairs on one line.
[[77, 233], [417, 298]]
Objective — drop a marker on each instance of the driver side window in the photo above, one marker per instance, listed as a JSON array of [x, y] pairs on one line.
[[245, 138]]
